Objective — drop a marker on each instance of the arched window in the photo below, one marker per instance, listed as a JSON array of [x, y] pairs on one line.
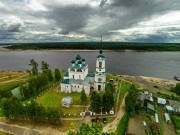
[[100, 64], [72, 69], [79, 70]]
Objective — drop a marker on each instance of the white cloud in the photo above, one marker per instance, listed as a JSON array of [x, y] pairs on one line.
[[85, 20]]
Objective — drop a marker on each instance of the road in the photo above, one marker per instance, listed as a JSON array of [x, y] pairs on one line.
[[113, 125]]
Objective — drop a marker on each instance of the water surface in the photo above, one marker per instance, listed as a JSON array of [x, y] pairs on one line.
[[155, 64]]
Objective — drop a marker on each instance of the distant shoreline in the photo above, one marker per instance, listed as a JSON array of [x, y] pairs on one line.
[[65, 50]]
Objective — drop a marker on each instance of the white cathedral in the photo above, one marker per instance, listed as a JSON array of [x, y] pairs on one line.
[[78, 78]]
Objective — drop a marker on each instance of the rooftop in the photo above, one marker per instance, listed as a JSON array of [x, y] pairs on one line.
[[67, 100]]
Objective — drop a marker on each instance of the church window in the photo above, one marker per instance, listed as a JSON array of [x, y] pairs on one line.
[[100, 64], [79, 70], [72, 69], [99, 79]]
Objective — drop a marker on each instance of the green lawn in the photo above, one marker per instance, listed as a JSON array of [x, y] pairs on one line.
[[122, 126], [2, 133], [125, 86], [176, 121], [11, 85], [52, 98]]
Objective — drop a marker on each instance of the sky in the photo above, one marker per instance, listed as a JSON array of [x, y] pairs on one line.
[[86, 20]]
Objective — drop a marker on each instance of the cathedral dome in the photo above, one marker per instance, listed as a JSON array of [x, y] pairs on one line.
[[83, 60], [79, 62], [73, 61], [78, 57]]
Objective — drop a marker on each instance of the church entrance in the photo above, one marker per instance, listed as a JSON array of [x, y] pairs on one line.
[[99, 87]]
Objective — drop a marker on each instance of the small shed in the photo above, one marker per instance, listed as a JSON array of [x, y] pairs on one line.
[[161, 101], [156, 118], [150, 108], [169, 109], [167, 117], [67, 101], [144, 124]]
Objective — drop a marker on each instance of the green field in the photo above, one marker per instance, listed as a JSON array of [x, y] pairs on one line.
[[11, 85], [122, 126], [176, 121], [3, 133], [52, 98], [125, 86]]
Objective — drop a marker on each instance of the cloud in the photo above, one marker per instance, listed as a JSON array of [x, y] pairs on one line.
[[69, 18], [102, 3], [12, 25], [86, 20]]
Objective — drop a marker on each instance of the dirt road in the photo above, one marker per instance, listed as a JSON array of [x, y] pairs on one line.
[[113, 125], [21, 130]]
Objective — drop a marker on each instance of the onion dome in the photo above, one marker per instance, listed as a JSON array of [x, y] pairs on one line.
[[79, 62], [100, 55], [100, 51], [78, 57], [73, 61], [83, 60]]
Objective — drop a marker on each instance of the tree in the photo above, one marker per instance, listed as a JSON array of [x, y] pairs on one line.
[[110, 87], [49, 75], [108, 100], [177, 88], [96, 103], [83, 97], [95, 129], [130, 100], [93, 94], [57, 74], [34, 65], [44, 66], [53, 115]]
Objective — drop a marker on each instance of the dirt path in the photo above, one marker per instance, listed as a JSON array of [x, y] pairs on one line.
[[22, 130], [13, 80], [113, 125]]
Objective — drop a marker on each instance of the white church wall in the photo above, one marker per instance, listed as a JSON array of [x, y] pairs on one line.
[[87, 89], [63, 87]]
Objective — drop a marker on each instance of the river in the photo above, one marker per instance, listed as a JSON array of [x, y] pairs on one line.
[[154, 64]]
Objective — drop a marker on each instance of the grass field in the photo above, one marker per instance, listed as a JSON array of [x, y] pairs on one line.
[[2, 133], [11, 80], [52, 98], [11, 85], [68, 125], [122, 126], [125, 86], [176, 121]]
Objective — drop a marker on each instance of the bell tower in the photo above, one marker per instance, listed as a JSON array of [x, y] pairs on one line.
[[100, 74]]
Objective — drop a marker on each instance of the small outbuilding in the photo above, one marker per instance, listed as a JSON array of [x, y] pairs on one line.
[[67, 101], [161, 101], [169, 109], [167, 117], [156, 118], [150, 108]]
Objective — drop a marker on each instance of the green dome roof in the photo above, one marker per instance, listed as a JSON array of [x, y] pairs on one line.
[[83, 59], [78, 57], [79, 62], [73, 61], [100, 56]]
